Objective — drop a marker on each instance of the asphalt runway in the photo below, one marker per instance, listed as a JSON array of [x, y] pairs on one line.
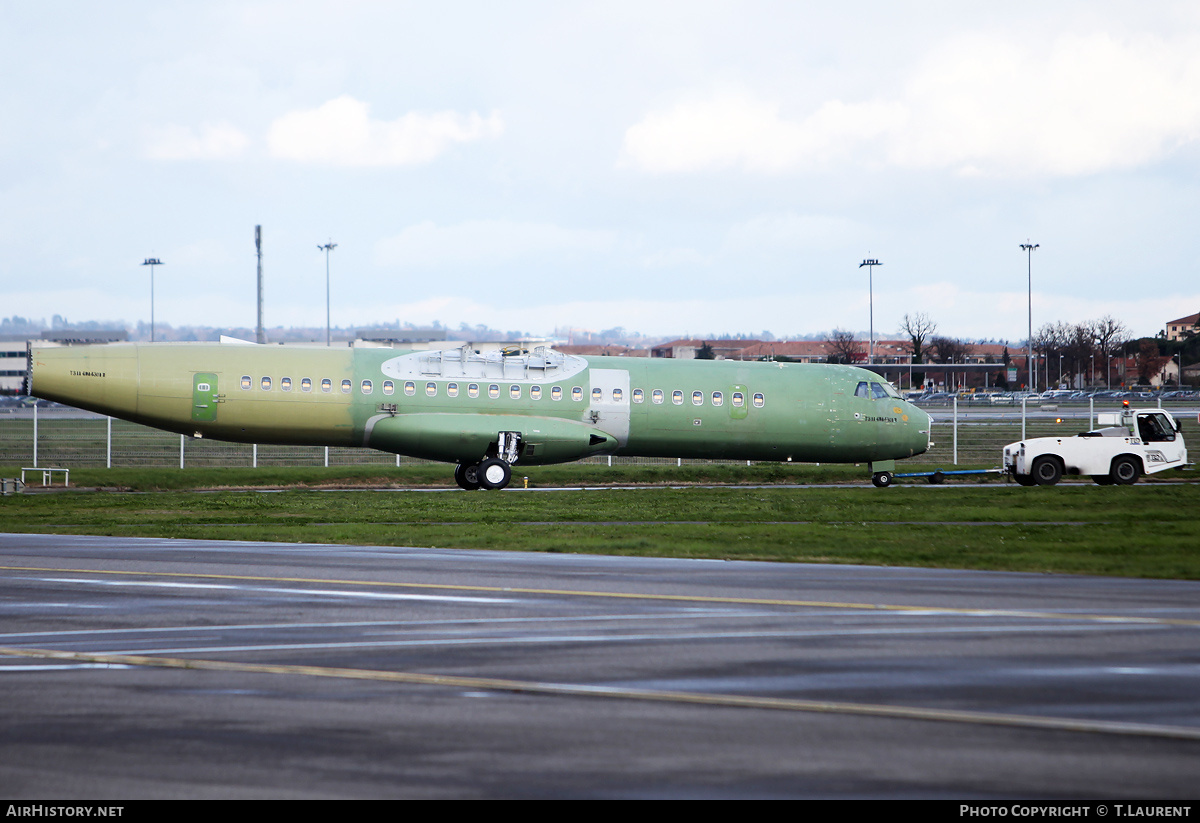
[[151, 668]]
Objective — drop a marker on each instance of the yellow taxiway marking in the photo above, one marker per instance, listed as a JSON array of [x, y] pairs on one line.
[[686, 598], [694, 698]]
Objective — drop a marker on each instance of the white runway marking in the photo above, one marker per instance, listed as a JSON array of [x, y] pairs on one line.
[[273, 590]]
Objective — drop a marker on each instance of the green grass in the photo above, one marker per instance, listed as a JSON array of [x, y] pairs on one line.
[[1147, 530], [441, 474]]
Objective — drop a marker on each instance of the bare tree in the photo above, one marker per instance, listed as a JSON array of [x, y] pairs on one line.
[[1110, 336], [1149, 360], [842, 347], [918, 328], [949, 349]]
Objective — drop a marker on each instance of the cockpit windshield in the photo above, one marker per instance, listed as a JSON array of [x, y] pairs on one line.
[[876, 391]]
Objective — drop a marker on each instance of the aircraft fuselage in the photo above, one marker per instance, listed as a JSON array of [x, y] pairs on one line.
[[452, 405]]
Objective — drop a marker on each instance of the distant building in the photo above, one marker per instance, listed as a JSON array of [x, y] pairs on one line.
[[394, 336], [687, 349], [603, 350], [1176, 329]]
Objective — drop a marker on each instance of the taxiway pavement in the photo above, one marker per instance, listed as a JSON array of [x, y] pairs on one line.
[[154, 668]]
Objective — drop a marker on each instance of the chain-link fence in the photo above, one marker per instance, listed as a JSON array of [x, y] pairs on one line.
[[962, 435]]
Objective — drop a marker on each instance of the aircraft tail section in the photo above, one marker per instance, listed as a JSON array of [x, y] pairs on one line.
[[100, 378]]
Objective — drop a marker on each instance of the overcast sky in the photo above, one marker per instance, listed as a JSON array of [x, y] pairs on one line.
[[673, 168]]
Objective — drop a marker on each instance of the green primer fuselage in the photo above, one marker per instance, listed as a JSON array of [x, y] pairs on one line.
[[451, 405]]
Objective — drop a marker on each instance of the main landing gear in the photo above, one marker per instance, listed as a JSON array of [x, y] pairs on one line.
[[494, 471]]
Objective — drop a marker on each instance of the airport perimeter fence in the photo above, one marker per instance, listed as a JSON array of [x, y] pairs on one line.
[[69, 438]]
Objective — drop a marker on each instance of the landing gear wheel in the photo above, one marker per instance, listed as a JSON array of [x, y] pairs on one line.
[[937, 478], [494, 473], [467, 475], [882, 479], [1024, 479], [1125, 471], [1046, 471]]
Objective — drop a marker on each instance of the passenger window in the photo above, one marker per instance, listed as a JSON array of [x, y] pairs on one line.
[[638, 395], [597, 395], [493, 391], [677, 397], [759, 400], [431, 389], [718, 398], [246, 381], [326, 384], [389, 387], [306, 384], [514, 392], [739, 400], [346, 386], [452, 390], [697, 398], [576, 394], [473, 390], [617, 395], [285, 384], [266, 384], [658, 396], [366, 387], [410, 388], [535, 392], [556, 393]]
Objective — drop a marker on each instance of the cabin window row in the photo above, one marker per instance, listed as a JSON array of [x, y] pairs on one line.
[[306, 384], [737, 399], [410, 388], [493, 391]]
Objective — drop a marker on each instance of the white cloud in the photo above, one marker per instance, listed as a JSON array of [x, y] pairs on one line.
[[982, 104], [793, 231], [675, 258], [485, 242], [733, 129], [212, 141], [342, 133], [1088, 104]]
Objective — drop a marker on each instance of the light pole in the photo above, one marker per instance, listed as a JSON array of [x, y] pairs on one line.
[[327, 248], [871, 263], [1028, 249], [1060, 382], [1092, 382], [152, 262]]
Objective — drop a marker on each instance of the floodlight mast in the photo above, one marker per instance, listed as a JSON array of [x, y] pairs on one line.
[[327, 248], [871, 263], [152, 262], [1032, 367]]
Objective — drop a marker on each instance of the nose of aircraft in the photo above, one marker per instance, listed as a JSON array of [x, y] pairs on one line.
[[918, 429]]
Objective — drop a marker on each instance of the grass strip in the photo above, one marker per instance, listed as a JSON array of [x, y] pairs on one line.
[[1148, 530]]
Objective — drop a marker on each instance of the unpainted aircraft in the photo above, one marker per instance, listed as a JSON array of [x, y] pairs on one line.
[[487, 411]]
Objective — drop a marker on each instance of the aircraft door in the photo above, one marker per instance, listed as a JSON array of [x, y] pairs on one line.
[[205, 397], [609, 407]]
